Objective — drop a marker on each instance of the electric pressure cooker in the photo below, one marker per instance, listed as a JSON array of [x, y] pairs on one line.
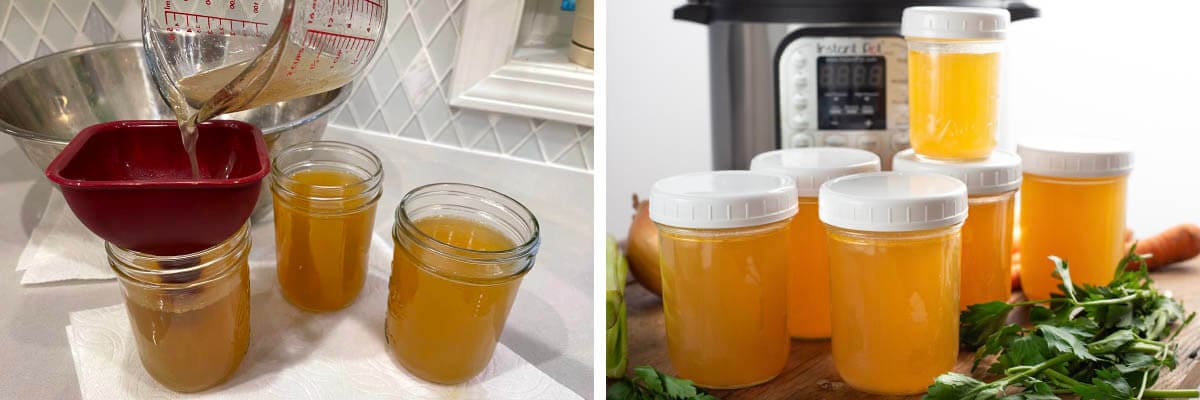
[[802, 73]]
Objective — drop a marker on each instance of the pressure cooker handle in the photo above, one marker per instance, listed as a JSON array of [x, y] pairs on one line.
[[1021, 10], [696, 11]]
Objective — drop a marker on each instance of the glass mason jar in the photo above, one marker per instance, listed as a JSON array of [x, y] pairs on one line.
[[987, 236], [460, 254], [1077, 185], [894, 252], [324, 198], [954, 79], [808, 271], [724, 243], [190, 314]]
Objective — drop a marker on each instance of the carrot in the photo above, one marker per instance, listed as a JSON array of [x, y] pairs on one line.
[[1179, 243]]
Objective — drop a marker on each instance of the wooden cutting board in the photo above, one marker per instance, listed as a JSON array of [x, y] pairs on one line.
[[810, 373]]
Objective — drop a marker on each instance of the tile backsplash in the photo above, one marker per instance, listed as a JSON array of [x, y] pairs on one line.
[[404, 93]]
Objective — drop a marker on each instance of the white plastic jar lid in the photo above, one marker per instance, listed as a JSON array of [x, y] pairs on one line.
[[1075, 157], [893, 201], [722, 199], [955, 22], [810, 167], [999, 173]]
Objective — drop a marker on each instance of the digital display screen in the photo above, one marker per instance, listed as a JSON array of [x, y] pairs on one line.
[[851, 93]]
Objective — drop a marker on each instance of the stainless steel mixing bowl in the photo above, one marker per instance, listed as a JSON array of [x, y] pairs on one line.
[[46, 101]]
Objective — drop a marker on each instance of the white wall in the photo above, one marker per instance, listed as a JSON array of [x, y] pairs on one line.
[[658, 120], [1100, 68]]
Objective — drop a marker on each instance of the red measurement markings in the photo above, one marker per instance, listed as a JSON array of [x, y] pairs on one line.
[[190, 22], [330, 42], [348, 9]]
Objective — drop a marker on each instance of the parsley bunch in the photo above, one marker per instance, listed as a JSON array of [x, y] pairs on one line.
[[1097, 342], [649, 384]]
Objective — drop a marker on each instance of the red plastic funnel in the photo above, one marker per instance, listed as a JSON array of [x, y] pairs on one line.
[[130, 183]]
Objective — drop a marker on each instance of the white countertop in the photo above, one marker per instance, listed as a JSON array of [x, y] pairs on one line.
[[550, 324]]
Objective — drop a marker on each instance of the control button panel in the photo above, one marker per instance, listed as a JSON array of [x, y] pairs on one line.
[[844, 92]]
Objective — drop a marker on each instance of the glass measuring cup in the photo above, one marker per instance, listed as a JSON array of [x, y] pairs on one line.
[[211, 57]]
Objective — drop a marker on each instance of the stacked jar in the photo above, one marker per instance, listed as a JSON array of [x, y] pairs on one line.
[[808, 272], [953, 79]]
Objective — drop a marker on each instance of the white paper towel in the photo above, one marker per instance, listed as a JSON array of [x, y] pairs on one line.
[[294, 354], [62, 249]]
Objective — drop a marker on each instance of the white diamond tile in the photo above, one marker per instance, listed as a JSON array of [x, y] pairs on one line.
[[448, 136], [488, 143], [345, 118], [441, 50], [405, 44], [573, 157], [73, 9], [396, 11], [529, 150], [96, 27], [129, 22], [511, 130], [471, 125], [363, 102], [457, 17], [397, 110], [436, 113], [413, 130], [384, 76], [419, 81], [587, 146], [429, 14], [111, 7], [4, 6], [7, 58], [35, 10], [556, 137], [19, 35], [58, 30], [43, 49], [376, 124]]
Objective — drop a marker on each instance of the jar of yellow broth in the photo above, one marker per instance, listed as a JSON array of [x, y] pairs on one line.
[[724, 247], [1073, 207], [987, 235], [953, 79], [324, 197], [894, 248], [460, 254], [190, 313], [808, 273]]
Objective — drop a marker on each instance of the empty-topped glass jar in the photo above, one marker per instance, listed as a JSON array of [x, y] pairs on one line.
[[460, 254], [324, 195], [190, 313]]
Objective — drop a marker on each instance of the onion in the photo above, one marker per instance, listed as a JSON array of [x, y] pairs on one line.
[[642, 248]]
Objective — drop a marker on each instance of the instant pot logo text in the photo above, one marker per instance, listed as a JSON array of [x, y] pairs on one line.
[[849, 48]]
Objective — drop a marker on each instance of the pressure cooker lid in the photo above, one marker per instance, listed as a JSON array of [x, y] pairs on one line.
[[828, 11]]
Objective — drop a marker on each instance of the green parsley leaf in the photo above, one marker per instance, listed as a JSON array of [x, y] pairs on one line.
[[953, 386], [1067, 340], [980, 321], [678, 388]]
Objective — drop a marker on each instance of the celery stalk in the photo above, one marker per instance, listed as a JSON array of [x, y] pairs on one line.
[[617, 355]]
